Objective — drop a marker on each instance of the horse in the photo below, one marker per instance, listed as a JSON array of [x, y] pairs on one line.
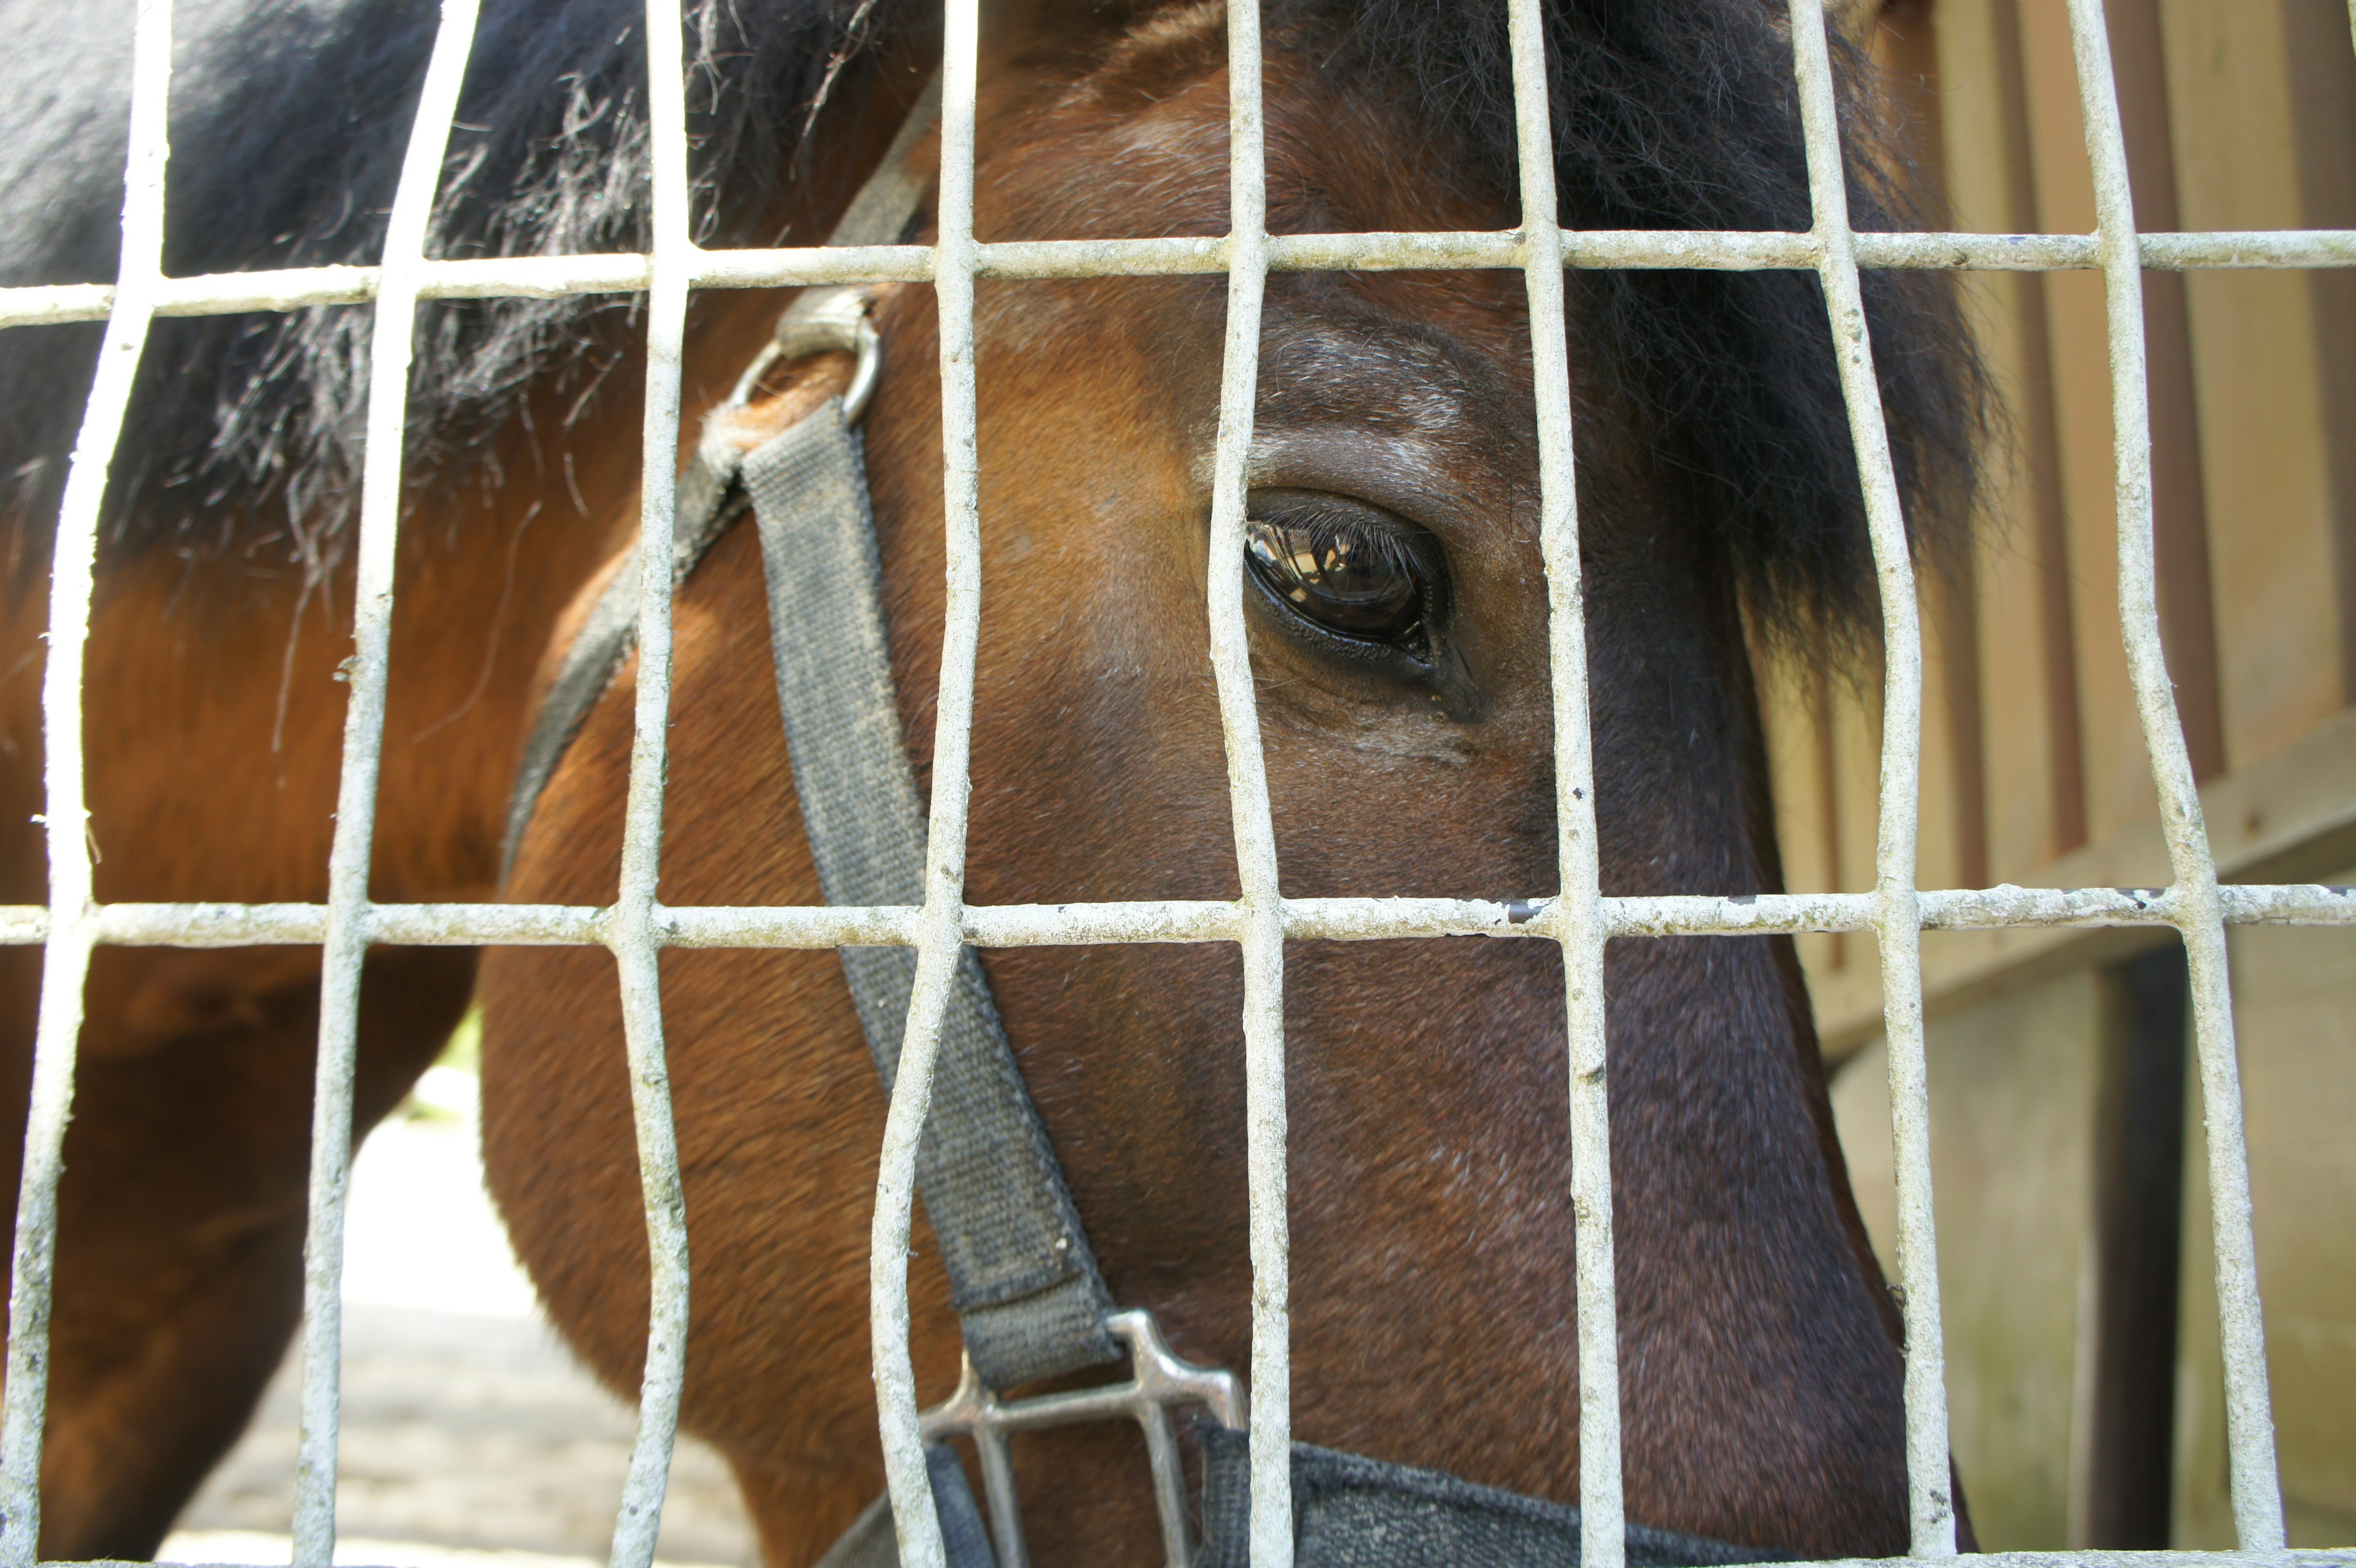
[[1402, 685]]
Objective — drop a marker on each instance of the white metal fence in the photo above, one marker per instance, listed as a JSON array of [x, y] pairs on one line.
[[635, 928]]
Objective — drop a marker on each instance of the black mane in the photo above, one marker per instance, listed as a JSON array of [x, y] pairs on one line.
[[288, 126], [1686, 115], [288, 130]]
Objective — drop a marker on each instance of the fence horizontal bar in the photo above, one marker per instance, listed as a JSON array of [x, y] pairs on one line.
[[1173, 919], [2167, 252], [214, 294], [1974, 909], [551, 277], [812, 264]]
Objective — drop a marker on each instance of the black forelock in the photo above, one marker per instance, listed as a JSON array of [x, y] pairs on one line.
[[1685, 116], [1666, 116]]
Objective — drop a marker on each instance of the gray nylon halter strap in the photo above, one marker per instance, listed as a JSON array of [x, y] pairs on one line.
[[1352, 1512], [1347, 1512], [1021, 1278], [1024, 1283]]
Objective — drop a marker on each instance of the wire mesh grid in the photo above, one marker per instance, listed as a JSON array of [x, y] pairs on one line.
[[636, 927]]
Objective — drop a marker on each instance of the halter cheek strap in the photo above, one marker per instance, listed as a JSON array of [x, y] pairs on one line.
[[1025, 1286], [1029, 1297]]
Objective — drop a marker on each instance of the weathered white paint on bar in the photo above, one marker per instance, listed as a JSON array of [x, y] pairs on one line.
[[346, 939], [629, 930], [1897, 906], [2249, 1421], [65, 964]]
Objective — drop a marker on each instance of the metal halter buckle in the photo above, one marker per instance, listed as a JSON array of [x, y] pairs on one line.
[[1158, 1382], [823, 319]]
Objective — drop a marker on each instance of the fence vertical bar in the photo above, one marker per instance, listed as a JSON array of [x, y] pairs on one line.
[[941, 926], [1247, 802], [65, 961], [346, 946], [1897, 915], [1578, 919], [632, 937], [2249, 1421]]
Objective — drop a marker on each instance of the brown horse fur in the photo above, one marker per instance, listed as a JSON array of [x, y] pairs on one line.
[[1432, 1298], [1432, 1232], [213, 729]]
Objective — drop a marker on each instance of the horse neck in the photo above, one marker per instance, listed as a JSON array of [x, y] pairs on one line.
[[1755, 1331]]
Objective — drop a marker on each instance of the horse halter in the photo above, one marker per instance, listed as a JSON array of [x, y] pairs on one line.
[[1030, 1300]]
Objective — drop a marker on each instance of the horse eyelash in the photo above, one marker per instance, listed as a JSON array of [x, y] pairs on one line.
[[1325, 525]]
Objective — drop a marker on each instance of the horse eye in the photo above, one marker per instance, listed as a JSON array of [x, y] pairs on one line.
[[1351, 575]]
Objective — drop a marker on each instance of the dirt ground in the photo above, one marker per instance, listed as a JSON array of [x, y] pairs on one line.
[[471, 1438]]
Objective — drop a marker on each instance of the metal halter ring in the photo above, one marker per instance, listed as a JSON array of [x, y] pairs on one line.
[[821, 321], [1159, 1380]]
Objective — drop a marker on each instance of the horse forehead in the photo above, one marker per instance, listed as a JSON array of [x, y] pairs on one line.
[[1144, 135], [1335, 355]]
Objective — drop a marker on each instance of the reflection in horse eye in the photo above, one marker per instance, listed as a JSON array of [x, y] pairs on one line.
[[1350, 578]]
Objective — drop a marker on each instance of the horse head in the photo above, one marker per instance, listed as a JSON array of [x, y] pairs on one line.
[[1398, 613]]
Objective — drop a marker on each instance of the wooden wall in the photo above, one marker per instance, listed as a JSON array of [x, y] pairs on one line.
[[2239, 114]]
